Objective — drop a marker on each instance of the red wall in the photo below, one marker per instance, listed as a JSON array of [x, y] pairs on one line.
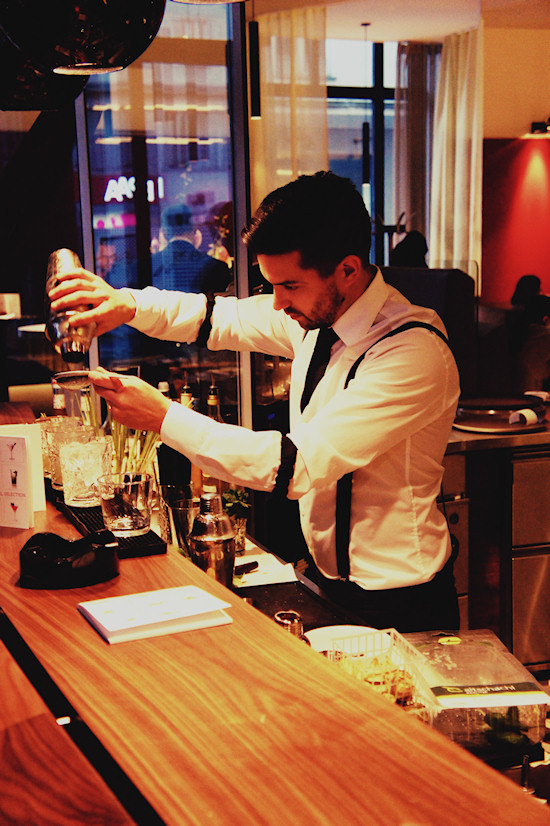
[[516, 214]]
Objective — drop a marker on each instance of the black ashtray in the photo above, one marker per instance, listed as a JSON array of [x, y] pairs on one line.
[[49, 561]]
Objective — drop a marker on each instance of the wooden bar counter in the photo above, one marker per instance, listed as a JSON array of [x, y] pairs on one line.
[[44, 777], [243, 724]]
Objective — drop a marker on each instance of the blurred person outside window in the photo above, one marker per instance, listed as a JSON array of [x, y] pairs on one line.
[[180, 264]]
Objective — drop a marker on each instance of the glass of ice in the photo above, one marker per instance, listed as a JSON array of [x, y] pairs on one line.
[[83, 461], [58, 430], [126, 502]]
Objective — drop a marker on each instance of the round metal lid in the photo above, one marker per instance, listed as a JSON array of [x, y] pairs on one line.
[[516, 414]]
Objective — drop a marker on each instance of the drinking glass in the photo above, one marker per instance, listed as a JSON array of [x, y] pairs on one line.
[[83, 461], [182, 508], [126, 502], [45, 422], [57, 429]]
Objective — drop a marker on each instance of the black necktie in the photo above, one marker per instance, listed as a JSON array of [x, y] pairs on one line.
[[318, 364]]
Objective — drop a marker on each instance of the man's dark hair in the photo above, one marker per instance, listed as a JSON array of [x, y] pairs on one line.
[[321, 216], [176, 220]]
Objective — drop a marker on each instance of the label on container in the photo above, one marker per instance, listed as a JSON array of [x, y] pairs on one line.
[[498, 694]]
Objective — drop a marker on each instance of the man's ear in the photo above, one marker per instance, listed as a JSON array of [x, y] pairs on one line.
[[197, 239], [351, 266]]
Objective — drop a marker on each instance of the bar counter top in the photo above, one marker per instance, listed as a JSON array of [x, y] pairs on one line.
[[461, 441], [236, 724]]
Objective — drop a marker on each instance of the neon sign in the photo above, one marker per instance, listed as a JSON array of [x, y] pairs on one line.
[[122, 189]]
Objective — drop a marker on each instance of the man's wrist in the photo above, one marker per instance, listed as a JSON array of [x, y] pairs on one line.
[[130, 305], [164, 405]]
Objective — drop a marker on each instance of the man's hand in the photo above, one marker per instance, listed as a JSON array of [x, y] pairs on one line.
[[133, 402], [109, 308]]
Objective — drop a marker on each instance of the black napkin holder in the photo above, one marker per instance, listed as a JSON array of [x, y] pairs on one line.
[[49, 561]]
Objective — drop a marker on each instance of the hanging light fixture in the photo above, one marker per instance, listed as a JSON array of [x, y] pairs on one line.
[[254, 66], [26, 88], [81, 37]]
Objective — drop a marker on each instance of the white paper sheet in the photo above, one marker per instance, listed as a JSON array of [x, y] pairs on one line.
[[269, 571]]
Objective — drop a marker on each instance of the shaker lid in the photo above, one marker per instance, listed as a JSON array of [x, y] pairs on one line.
[[211, 503]]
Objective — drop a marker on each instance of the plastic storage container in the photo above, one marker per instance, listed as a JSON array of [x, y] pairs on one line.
[[485, 699]]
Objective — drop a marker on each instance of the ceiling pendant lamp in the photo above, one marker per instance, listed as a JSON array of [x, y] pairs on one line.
[[26, 88], [81, 37]]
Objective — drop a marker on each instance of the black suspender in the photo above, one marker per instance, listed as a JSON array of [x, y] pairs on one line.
[[344, 485]]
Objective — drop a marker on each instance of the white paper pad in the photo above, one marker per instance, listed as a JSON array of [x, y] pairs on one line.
[[269, 571], [153, 613]]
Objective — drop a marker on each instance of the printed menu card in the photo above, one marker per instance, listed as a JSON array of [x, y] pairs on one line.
[[15, 492]]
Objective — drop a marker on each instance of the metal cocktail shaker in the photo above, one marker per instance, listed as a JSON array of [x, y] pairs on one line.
[[212, 540], [71, 342]]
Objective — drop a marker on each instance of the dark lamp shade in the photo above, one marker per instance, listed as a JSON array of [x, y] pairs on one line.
[[26, 88], [81, 37]]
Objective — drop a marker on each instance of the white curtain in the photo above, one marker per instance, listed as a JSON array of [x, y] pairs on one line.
[[291, 137], [417, 67], [455, 226]]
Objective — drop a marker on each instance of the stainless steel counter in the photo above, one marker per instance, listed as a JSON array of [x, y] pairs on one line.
[[461, 441]]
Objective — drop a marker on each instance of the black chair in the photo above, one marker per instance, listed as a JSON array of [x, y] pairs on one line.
[[451, 293]]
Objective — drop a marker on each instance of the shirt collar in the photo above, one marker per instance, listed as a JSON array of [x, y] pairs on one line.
[[354, 325]]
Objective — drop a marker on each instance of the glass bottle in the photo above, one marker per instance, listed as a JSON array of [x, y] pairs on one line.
[[186, 395], [59, 403], [212, 541], [71, 342], [213, 402], [209, 483], [187, 400]]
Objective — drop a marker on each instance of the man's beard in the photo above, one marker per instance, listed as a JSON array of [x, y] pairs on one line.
[[324, 312]]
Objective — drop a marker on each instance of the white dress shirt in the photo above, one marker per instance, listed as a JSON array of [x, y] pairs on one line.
[[390, 426]]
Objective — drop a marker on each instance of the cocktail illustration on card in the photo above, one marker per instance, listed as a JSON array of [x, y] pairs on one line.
[[15, 490]]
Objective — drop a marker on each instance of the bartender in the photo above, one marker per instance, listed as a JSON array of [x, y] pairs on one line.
[[364, 452]]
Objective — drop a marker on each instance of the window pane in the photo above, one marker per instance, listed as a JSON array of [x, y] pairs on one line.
[[346, 120], [390, 65], [349, 63], [160, 160], [389, 119]]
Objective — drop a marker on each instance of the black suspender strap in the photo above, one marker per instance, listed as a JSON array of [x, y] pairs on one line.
[[206, 326], [286, 468], [345, 484]]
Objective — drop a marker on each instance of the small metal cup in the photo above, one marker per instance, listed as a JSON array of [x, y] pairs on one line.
[[291, 621]]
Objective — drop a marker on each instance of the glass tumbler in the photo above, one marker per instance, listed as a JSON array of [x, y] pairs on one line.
[[45, 422], [83, 461], [56, 431], [126, 502], [181, 507]]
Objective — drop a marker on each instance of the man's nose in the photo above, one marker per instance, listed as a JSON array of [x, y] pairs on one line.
[[279, 299]]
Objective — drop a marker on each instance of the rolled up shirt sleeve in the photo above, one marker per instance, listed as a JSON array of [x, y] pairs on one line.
[[168, 315], [228, 452]]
